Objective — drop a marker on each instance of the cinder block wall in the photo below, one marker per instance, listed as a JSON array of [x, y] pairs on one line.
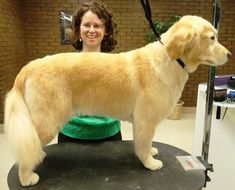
[[31, 28], [12, 46]]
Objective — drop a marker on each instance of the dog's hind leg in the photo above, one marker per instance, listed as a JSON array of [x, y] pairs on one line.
[[143, 135], [22, 137], [27, 176], [29, 157], [45, 133]]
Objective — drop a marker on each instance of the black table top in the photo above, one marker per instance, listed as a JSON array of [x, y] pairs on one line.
[[109, 165]]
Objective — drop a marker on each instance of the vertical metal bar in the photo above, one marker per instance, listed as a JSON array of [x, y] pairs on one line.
[[208, 113], [210, 89]]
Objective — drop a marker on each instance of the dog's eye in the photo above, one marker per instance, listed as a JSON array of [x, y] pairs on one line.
[[212, 37]]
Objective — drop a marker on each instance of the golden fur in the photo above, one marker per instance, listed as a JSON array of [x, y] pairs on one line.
[[141, 86]]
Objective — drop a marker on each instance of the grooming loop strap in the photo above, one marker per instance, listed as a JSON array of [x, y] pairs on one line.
[[148, 15]]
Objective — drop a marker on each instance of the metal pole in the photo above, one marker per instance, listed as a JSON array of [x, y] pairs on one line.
[[210, 89]]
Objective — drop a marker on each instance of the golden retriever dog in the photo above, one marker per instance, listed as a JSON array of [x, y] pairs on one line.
[[141, 86]]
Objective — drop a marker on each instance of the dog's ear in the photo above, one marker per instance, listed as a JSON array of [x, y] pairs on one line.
[[179, 40]]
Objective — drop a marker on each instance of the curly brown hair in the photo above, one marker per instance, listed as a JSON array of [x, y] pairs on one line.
[[109, 42]]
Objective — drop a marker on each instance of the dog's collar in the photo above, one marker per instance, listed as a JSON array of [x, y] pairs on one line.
[[180, 62]]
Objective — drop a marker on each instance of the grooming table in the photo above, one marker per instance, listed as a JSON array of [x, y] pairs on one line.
[[109, 165]]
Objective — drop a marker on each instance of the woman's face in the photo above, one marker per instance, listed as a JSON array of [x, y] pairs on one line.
[[92, 32]]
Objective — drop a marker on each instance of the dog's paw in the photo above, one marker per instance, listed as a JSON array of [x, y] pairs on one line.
[[153, 164], [154, 151], [29, 180]]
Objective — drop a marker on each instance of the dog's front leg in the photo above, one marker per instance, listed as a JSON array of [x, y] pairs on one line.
[[143, 135], [154, 151]]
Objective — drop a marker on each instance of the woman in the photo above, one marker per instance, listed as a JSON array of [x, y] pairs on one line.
[[94, 31]]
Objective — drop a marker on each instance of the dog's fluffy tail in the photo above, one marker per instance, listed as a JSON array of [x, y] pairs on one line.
[[22, 136]]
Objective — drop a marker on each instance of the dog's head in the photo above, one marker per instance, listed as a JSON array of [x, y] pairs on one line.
[[194, 40]]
